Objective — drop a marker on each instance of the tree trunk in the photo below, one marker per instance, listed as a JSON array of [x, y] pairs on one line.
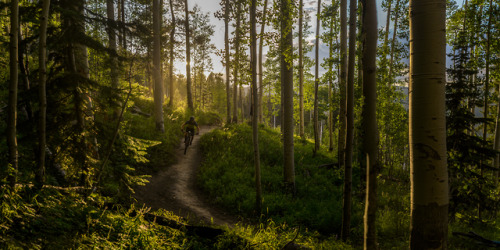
[[316, 81], [429, 175], [158, 90], [255, 113], [12, 104], [369, 116], [40, 173], [171, 57], [330, 88], [228, 63], [261, 45], [393, 44], [287, 82], [387, 23], [301, 72], [346, 209], [487, 76], [110, 10], [124, 30], [342, 82], [496, 143], [236, 62], [188, 59]]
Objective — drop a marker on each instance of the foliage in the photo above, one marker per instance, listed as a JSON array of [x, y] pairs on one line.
[[468, 154], [227, 175]]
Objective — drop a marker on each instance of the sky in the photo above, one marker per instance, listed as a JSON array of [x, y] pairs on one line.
[[212, 6]]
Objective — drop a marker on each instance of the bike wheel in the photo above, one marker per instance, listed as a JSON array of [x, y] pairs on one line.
[[186, 142]]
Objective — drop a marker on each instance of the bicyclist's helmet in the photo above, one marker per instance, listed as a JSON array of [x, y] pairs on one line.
[[191, 118]]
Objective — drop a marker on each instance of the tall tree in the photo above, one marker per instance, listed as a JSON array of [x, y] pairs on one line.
[[349, 139], [171, 57], [301, 72], [393, 43], [342, 82], [286, 64], [188, 58], [428, 164], [236, 61], [370, 130], [227, 62], [42, 137], [157, 68], [255, 121], [316, 81], [261, 45], [12, 104], [110, 11]]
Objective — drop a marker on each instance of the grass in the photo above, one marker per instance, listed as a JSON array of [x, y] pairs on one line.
[[227, 174]]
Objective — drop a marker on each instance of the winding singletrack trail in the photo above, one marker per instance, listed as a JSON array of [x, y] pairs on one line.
[[173, 188]]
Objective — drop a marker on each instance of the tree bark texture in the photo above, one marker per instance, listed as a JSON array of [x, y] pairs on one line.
[[342, 82], [188, 58], [171, 57], [316, 81], [349, 139], [255, 113], [428, 159], [42, 137], [157, 68], [110, 12], [301, 71], [369, 116], [261, 45], [393, 43], [287, 83], [236, 62], [228, 63], [12, 103]]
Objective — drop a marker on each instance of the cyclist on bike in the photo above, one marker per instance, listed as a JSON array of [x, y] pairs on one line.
[[189, 126]]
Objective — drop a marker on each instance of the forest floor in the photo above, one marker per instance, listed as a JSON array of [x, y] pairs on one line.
[[174, 189]]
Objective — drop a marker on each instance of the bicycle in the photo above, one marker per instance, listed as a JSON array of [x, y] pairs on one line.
[[188, 139]]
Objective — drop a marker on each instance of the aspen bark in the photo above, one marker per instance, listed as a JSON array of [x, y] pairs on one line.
[[255, 113], [428, 160], [236, 62], [342, 82], [369, 116], [110, 11], [157, 68], [42, 51], [316, 81], [188, 59], [287, 83], [228, 63], [261, 45], [171, 57], [346, 209], [301, 71], [12, 103]]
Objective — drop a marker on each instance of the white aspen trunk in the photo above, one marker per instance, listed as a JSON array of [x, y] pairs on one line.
[[157, 68], [188, 58], [428, 159], [316, 82], [369, 116]]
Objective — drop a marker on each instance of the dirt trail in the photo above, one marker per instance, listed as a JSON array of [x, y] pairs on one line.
[[173, 188]]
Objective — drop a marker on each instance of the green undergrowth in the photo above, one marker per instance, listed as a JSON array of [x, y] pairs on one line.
[[56, 218], [227, 174]]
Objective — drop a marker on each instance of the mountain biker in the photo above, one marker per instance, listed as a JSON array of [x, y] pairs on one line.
[[189, 126]]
